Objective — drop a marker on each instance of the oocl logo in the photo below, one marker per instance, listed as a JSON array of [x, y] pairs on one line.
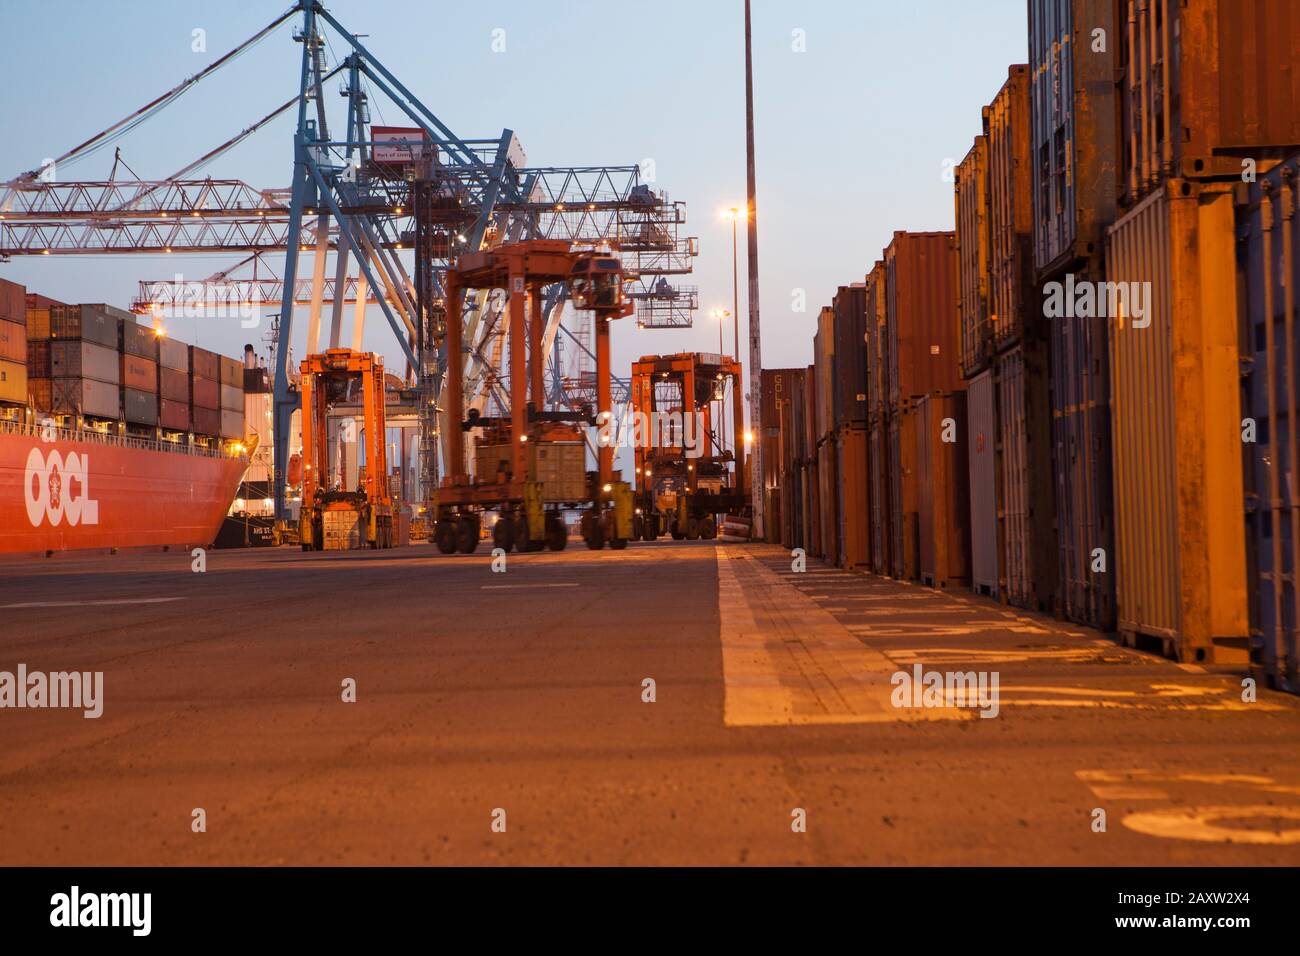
[[57, 489]]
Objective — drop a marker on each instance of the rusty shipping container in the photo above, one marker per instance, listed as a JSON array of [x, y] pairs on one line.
[[138, 373], [173, 415], [985, 500], [853, 505], [921, 315], [37, 301], [1027, 512], [877, 365], [1073, 128], [85, 396], [139, 340], [38, 358], [205, 364], [80, 358], [13, 302], [880, 463], [943, 492], [1269, 261], [13, 341], [903, 495], [38, 324], [1180, 561], [971, 241], [1206, 84], [1012, 302], [849, 356], [13, 382], [95, 323], [40, 393], [173, 354]]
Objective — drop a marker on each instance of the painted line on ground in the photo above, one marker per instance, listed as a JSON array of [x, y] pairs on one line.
[[502, 587], [106, 603]]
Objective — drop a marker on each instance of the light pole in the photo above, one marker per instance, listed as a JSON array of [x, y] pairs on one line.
[[721, 316], [735, 214]]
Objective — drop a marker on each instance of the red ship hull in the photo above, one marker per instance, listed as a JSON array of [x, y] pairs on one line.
[[84, 491]]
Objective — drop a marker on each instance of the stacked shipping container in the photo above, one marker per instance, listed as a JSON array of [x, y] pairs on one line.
[[13, 343]]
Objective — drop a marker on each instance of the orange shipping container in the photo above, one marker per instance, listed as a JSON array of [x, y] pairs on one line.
[[1012, 303], [139, 373], [943, 495], [13, 382], [970, 190], [38, 323], [922, 315], [13, 341]]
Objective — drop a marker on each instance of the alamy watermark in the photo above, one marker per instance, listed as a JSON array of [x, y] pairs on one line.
[[77, 690], [921, 688]]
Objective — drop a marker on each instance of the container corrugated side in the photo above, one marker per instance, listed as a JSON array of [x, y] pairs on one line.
[[38, 324], [231, 371], [985, 506], [1269, 260], [824, 358], [139, 408], [1012, 302], [852, 493], [40, 393], [943, 493], [13, 302], [971, 241], [173, 415], [877, 351], [139, 340], [38, 358], [828, 495], [173, 354], [881, 535], [849, 360], [1180, 564], [138, 373], [921, 315], [79, 358], [205, 364], [903, 495], [1204, 84], [93, 323], [1027, 514], [13, 382], [13, 341], [1073, 145], [85, 396], [204, 393]]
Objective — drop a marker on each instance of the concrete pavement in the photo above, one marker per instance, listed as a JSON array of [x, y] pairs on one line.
[[480, 692]]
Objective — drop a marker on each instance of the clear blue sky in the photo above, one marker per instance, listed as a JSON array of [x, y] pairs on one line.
[[852, 133]]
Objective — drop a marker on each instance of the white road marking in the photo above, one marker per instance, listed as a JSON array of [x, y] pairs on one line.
[[1200, 824], [112, 603]]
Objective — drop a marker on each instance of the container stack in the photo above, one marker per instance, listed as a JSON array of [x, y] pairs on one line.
[[13, 343], [828, 544], [85, 368], [849, 431], [878, 461], [173, 385], [1073, 145], [231, 373], [138, 365], [776, 388], [205, 392]]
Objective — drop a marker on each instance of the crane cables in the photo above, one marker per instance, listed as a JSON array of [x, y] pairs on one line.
[[130, 122]]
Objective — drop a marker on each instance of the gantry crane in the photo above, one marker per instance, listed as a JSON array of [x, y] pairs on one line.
[[333, 516], [686, 475], [530, 466]]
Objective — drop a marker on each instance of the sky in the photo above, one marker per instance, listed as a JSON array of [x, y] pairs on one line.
[[861, 108]]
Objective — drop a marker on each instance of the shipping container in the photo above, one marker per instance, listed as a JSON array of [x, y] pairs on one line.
[[943, 492], [881, 536], [560, 466], [205, 421], [138, 373], [91, 323], [38, 324], [1269, 262], [79, 358], [1205, 84], [85, 396], [38, 358], [812, 481], [921, 304], [1027, 513], [40, 393], [174, 415], [971, 241], [985, 500], [849, 356], [13, 341], [139, 340], [903, 495], [205, 364], [173, 354], [37, 301], [205, 393], [232, 398], [173, 385], [139, 408], [824, 359], [231, 372], [877, 345], [1073, 60], [13, 302], [1180, 563], [13, 382], [1013, 303], [854, 507], [232, 424], [828, 495]]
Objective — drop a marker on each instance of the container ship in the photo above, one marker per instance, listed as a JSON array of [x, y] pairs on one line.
[[112, 435]]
